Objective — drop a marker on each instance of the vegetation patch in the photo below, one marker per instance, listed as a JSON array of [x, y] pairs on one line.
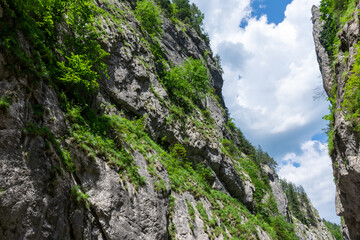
[[75, 65], [148, 15], [334, 228], [335, 14], [108, 137], [299, 203], [32, 129], [5, 103], [351, 103], [80, 197], [188, 83]]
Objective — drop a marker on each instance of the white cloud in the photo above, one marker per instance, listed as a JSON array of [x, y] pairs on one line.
[[277, 65], [270, 74], [314, 174]]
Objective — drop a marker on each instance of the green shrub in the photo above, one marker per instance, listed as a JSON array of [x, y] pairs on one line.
[[161, 64], [335, 229], [191, 14], [283, 229], [32, 129], [205, 172], [79, 196], [166, 5], [334, 13], [351, 103], [183, 10], [230, 148], [148, 15], [78, 75], [188, 83], [179, 152], [72, 66], [231, 124], [5, 103]]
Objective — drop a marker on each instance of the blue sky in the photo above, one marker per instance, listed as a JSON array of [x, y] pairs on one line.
[[270, 77], [273, 9]]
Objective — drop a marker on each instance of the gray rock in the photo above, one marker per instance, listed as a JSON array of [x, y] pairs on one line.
[[345, 156], [322, 55], [280, 197]]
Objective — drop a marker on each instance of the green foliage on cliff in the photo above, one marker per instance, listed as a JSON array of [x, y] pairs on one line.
[[299, 204], [188, 83], [166, 5], [149, 16], [191, 14], [330, 117], [73, 66], [107, 137], [5, 103], [264, 158], [78, 76], [33, 130], [265, 205], [334, 228], [334, 13], [79, 196], [351, 103]]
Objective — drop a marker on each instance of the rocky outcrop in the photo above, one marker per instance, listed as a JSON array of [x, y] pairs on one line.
[[322, 55], [303, 231], [345, 155], [277, 190], [314, 231]]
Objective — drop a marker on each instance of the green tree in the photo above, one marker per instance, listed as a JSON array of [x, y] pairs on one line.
[[187, 82], [148, 15], [196, 19], [183, 11], [78, 76], [263, 157], [334, 229], [245, 145], [292, 194], [166, 5]]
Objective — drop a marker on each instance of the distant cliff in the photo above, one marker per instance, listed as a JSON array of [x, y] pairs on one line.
[[336, 35], [113, 126]]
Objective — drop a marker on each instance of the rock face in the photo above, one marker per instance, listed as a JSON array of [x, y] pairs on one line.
[[305, 232], [345, 156], [277, 190], [302, 231], [322, 55], [58, 182], [311, 231]]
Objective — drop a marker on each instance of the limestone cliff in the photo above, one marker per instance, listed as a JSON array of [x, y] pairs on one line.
[[97, 143], [336, 43]]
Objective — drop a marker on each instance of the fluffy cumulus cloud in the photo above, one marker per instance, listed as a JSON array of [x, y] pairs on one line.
[[270, 73], [312, 169]]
